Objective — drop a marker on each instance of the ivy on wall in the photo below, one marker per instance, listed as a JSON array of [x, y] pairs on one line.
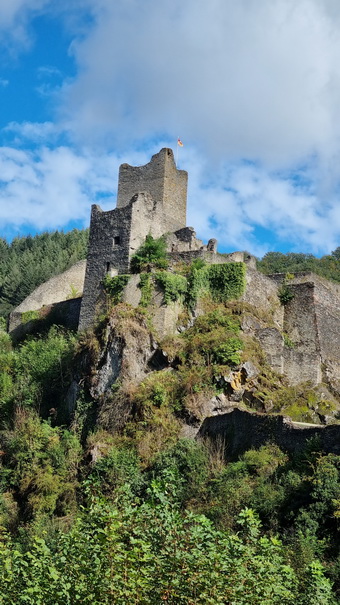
[[173, 285], [222, 282], [146, 286], [226, 281], [114, 286]]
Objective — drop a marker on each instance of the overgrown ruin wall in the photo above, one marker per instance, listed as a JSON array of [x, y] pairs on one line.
[[311, 323], [66, 285], [151, 200], [240, 431]]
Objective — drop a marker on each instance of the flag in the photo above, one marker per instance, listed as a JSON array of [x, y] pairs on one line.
[[179, 142]]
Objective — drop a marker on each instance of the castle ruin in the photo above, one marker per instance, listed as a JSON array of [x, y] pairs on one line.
[[152, 200]]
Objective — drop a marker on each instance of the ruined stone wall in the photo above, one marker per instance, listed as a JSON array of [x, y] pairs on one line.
[[114, 237], [161, 179], [327, 311], [66, 285], [108, 253], [300, 318], [151, 200], [261, 292], [303, 361], [241, 430], [64, 313]]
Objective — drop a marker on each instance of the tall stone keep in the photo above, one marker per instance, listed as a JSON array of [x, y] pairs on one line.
[[151, 200]]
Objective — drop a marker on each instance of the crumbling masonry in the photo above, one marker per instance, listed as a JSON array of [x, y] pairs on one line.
[[151, 199]]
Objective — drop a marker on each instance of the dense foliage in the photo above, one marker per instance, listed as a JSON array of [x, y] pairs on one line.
[[114, 286], [154, 518], [151, 254], [141, 514], [276, 262], [27, 262]]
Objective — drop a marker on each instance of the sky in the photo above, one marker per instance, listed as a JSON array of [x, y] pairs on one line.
[[251, 87]]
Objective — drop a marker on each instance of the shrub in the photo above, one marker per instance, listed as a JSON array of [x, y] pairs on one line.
[[114, 286], [146, 286], [285, 294], [151, 254], [173, 285], [228, 353], [226, 281]]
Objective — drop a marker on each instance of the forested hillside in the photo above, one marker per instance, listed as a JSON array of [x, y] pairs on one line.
[[28, 261], [105, 500], [276, 262], [143, 515]]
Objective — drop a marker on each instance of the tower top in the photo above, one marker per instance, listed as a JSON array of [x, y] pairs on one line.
[[163, 181]]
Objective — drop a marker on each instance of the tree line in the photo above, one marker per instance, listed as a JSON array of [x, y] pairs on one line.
[[28, 261]]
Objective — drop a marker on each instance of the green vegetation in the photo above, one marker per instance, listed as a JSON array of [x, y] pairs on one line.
[[114, 286], [36, 374], [146, 286], [29, 316], [220, 282], [285, 294], [140, 514], [29, 261], [152, 254], [173, 285], [327, 266], [226, 281]]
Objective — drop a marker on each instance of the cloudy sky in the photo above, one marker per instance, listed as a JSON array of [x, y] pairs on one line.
[[252, 87]]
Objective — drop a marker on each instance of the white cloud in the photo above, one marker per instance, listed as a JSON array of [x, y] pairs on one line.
[[49, 188], [33, 131], [249, 79], [247, 197], [243, 80], [14, 17]]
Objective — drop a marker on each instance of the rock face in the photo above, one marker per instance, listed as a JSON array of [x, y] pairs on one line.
[[125, 353]]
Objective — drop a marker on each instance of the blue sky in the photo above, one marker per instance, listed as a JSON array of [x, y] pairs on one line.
[[252, 88]]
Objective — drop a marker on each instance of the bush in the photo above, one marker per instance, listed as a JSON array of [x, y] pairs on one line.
[[173, 285], [151, 254], [114, 286], [226, 281], [285, 294]]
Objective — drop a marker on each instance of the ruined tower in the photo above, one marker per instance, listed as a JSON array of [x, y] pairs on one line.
[[151, 200]]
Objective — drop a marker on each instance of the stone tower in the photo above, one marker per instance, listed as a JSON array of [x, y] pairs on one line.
[[151, 200]]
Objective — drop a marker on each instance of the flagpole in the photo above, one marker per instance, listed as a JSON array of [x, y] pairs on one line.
[[177, 152]]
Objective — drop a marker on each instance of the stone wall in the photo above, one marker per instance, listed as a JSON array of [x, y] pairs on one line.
[[66, 285], [108, 253], [241, 430], [311, 321], [261, 292], [64, 313], [151, 200], [161, 179]]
